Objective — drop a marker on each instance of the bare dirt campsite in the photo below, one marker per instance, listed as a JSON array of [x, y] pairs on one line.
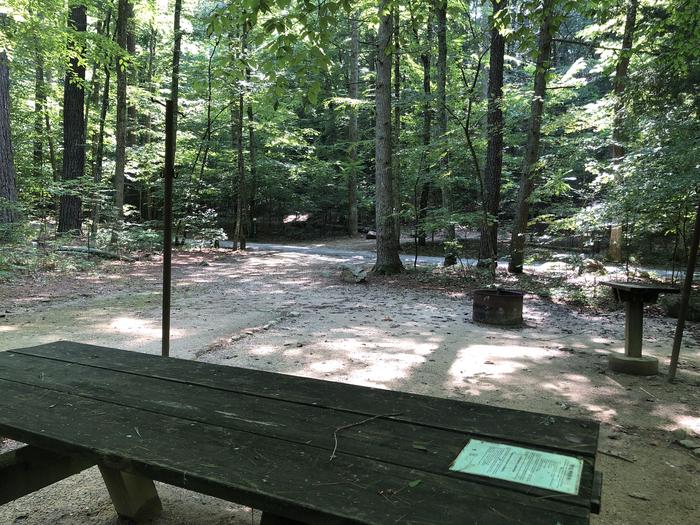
[[291, 312]]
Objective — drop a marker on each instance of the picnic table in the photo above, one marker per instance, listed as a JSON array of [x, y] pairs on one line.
[[301, 450], [634, 296]]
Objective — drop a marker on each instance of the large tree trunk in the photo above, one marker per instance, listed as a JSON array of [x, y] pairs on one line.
[[426, 187], [353, 90], [252, 156], [69, 216], [8, 192], [396, 160], [532, 149], [619, 84], [488, 249], [121, 124], [388, 260], [441, 15]]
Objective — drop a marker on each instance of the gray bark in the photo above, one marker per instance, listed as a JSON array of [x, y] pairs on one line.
[[388, 260], [396, 161], [69, 216], [353, 90], [121, 124], [488, 249], [8, 192]]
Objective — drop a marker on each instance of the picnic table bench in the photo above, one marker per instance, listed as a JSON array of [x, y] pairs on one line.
[[301, 450]]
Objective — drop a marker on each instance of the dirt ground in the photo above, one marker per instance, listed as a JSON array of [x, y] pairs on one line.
[[291, 313]]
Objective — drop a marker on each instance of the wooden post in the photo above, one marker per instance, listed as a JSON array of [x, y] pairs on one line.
[[168, 172], [134, 498], [634, 315], [685, 298]]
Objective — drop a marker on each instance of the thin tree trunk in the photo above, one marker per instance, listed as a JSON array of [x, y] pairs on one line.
[[175, 80], [426, 188], [132, 117], [94, 97], [241, 201], [69, 216], [98, 143], [488, 249], [39, 108], [685, 297], [619, 84], [441, 15], [396, 161], [532, 149], [388, 260], [8, 191], [120, 132], [353, 90]]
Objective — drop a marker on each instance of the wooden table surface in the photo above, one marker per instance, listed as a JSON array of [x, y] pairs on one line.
[[265, 440]]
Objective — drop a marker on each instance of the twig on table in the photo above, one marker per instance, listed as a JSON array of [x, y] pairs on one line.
[[345, 427]]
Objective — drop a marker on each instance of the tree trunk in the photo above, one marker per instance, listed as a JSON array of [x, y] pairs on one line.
[[252, 152], [388, 260], [488, 249], [619, 84], [98, 142], [241, 201], [396, 161], [132, 119], [426, 188], [39, 107], [175, 80], [532, 149], [120, 132], [441, 15], [69, 216], [353, 134], [8, 192]]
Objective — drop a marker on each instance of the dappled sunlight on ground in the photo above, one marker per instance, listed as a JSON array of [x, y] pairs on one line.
[[291, 313], [496, 361]]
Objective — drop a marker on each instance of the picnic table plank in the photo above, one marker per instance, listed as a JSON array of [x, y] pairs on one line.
[[561, 434], [284, 478], [383, 439]]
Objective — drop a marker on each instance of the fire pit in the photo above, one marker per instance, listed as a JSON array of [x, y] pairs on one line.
[[498, 306]]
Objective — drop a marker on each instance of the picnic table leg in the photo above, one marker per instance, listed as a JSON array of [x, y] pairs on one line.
[[634, 314], [273, 519], [632, 361], [134, 497]]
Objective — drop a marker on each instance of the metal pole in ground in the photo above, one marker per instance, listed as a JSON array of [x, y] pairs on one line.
[[168, 172], [685, 297]]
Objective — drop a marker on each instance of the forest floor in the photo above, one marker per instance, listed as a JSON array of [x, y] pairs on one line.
[[292, 313]]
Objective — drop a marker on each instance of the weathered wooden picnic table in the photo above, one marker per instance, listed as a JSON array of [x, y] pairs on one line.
[[301, 450]]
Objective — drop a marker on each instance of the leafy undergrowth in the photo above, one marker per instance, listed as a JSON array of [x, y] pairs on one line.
[[581, 291], [22, 260]]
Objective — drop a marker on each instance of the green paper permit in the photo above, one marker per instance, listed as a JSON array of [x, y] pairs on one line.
[[520, 465]]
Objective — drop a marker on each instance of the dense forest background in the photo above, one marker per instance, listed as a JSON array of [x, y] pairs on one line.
[[476, 124]]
